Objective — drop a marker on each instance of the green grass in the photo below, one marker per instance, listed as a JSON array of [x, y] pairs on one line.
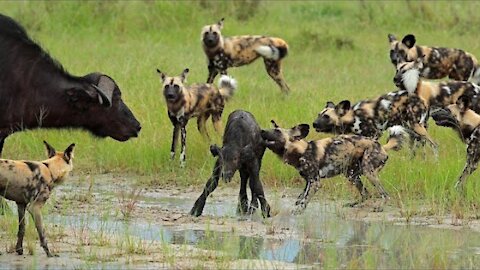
[[337, 51]]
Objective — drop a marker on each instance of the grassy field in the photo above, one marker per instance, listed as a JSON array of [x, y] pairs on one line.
[[337, 51]]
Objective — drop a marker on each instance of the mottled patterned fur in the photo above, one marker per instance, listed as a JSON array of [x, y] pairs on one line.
[[30, 183], [225, 52], [437, 62], [197, 100]]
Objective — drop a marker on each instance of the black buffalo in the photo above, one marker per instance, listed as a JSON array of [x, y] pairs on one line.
[[35, 91], [242, 150]]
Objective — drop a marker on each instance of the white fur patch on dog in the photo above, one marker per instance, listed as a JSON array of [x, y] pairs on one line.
[[410, 80], [269, 52], [385, 103], [397, 130]]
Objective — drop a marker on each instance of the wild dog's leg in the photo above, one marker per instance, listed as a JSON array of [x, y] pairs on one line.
[[217, 122], [183, 131], [21, 228], [242, 207], [313, 185], [210, 186], [176, 129], [201, 121], [372, 162], [35, 211], [274, 69], [422, 131], [212, 72], [473, 156], [353, 175], [258, 194]]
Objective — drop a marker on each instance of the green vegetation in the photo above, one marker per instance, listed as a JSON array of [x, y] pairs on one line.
[[338, 50]]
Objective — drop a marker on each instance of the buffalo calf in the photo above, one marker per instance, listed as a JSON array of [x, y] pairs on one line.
[[242, 150]]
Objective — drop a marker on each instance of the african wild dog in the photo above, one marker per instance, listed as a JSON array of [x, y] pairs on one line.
[[351, 155], [197, 100], [371, 117], [225, 52], [438, 62], [29, 184], [434, 94], [242, 150], [466, 122]]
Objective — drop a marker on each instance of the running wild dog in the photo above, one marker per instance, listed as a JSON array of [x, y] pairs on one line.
[[350, 155], [371, 117], [225, 52], [466, 122], [29, 184], [197, 100], [242, 150], [438, 62]]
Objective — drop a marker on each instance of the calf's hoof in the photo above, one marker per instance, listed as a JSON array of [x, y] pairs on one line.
[[19, 251]]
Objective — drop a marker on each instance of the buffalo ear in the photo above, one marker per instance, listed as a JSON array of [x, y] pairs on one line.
[[214, 150], [342, 107], [184, 74], [162, 75], [409, 40], [50, 150], [463, 103], [220, 23], [391, 38], [301, 131], [105, 88], [68, 153]]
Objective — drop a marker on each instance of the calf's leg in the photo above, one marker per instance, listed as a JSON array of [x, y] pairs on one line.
[[211, 185]]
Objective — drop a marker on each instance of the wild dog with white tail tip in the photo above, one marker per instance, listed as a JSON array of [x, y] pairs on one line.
[[225, 52], [30, 183], [350, 155], [197, 100]]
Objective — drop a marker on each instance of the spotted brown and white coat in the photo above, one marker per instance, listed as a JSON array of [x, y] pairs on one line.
[[197, 100], [350, 155], [30, 183], [437, 62], [466, 122], [226, 52]]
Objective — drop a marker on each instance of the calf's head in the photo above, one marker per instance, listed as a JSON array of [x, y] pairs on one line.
[[231, 158], [211, 35], [60, 164], [331, 117], [102, 110], [278, 139]]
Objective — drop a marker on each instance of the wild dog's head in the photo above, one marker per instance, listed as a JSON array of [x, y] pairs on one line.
[[212, 35], [399, 51], [458, 116], [278, 139], [60, 164], [407, 75], [231, 157], [330, 119], [173, 86]]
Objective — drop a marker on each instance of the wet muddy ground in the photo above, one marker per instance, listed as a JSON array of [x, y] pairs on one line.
[[93, 222]]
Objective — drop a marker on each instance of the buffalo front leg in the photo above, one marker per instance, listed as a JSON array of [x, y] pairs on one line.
[[242, 207], [21, 228], [274, 70], [2, 142], [211, 185], [35, 211], [258, 194]]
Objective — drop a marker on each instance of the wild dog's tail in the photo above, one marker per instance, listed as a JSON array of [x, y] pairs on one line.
[[227, 86], [272, 52], [396, 137]]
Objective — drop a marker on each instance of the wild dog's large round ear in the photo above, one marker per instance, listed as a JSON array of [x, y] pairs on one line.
[[330, 105], [274, 124], [301, 131], [184, 74], [342, 107], [50, 150], [68, 153], [463, 103], [409, 40], [162, 75], [220, 23], [391, 38], [214, 150]]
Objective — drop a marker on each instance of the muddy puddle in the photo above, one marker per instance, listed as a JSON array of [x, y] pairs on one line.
[[325, 236]]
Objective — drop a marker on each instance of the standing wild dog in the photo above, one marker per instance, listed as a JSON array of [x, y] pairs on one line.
[[197, 100], [434, 94], [29, 184], [350, 155], [466, 122], [242, 150], [438, 62], [225, 52], [371, 117]]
